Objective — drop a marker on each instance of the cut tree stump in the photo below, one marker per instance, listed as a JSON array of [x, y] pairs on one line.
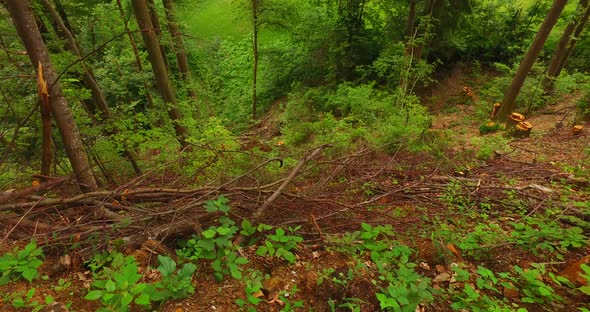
[[577, 130], [514, 119], [522, 130], [495, 110]]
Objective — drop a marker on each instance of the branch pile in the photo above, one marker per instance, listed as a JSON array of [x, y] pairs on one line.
[[324, 196]]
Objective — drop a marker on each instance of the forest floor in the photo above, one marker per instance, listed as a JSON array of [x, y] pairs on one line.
[[451, 211]]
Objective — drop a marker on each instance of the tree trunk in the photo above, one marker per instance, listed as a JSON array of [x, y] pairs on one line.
[[45, 105], [87, 76], [158, 29], [255, 8], [418, 48], [566, 45], [411, 19], [24, 20], [159, 68], [146, 86], [181, 57], [509, 101]]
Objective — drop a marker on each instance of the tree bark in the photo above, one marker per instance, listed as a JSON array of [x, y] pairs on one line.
[[89, 79], [45, 105], [159, 68], [158, 29], [26, 27], [255, 8], [181, 57], [136, 54], [509, 101], [566, 44]]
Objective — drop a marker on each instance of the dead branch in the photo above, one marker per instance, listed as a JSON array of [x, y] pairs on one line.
[[45, 186]]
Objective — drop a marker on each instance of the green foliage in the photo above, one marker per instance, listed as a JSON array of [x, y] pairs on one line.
[[473, 242], [532, 285], [489, 127], [175, 284], [406, 288], [280, 245], [585, 289], [512, 25], [253, 286], [473, 297], [21, 264], [116, 282], [117, 285], [543, 236], [215, 243], [488, 145], [454, 195], [25, 300]]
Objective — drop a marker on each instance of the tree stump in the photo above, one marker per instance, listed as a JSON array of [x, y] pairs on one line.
[[577, 130], [495, 110], [514, 119], [522, 130]]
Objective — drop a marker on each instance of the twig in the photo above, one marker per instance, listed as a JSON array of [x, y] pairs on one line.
[[18, 222], [278, 192]]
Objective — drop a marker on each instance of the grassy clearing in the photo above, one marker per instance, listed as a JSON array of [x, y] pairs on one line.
[[215, 19]]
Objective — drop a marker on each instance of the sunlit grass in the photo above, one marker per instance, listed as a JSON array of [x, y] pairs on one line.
[[215, 19]]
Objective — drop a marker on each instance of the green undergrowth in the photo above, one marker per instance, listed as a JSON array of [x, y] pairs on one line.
[[467, 275]]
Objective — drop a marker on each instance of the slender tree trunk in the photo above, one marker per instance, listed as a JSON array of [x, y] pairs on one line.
[[255, 8], [411, 18], [159, 68], [566, 45], [24, 20], [509, 101], [158, 29], [136, 54], [45, 105], [181, 57], [87, 76]]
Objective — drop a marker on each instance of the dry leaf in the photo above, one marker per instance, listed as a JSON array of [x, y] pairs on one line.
[[443, 277], [65, 260], [453, 249], [573, 271], [424, 266]]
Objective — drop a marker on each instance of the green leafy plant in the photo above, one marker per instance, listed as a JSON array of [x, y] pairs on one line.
[[405, 290], [175, 283], [478, 296], [286, 296], [253, 288], [117, 285], [585, 289], [280, 245], [532, 285], [24, 300], [215, 243], [21, 264], [489, 127], [547, 236]]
